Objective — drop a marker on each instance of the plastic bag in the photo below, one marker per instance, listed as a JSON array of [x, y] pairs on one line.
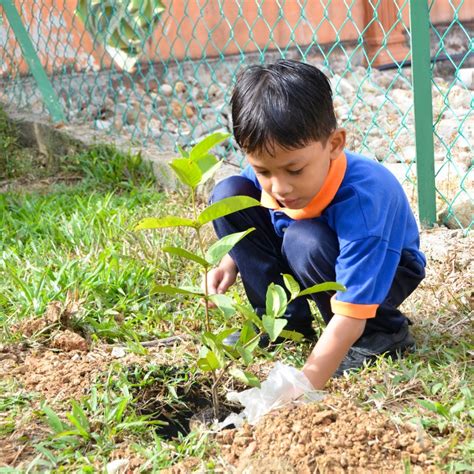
[[283, 385]]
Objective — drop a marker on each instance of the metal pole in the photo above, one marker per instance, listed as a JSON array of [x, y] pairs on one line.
[[421, 68], [49, 96]]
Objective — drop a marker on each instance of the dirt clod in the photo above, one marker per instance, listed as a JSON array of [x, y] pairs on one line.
[[334, 435], [69, 341]]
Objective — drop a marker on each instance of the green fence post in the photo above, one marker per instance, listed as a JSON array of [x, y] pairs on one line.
[[421, 67], [49, 96]]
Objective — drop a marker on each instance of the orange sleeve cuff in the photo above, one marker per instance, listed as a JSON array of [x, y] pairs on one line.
[[358, 311]]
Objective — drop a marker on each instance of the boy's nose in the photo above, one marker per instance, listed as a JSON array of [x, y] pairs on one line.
[[280, 187]]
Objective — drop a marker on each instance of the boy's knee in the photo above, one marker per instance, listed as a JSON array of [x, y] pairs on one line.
[[234, 186], [310, 240]]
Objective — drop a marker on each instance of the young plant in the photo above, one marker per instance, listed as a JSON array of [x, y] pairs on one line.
[[194, 168]]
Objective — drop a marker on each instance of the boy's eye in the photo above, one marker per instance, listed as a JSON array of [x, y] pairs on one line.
[[295, 172], [263, 173]]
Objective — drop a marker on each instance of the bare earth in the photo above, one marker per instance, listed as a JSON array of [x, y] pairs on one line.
[[333, 436]]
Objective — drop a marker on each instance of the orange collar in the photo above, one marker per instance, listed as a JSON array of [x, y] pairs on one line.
[[326, 194]]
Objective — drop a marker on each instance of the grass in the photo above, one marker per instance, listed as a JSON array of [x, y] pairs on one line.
[[76, 242]]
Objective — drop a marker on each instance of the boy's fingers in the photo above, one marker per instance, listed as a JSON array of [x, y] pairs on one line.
[[224, 284]]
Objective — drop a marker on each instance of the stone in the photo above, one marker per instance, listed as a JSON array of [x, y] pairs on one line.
[[117, 466], [180, 87], [465, 76], [459, 98], [118, 352], [214, 91], [166, 90], [345, 87], [459, 215], [103, 124], [342, 112], [408, 153]]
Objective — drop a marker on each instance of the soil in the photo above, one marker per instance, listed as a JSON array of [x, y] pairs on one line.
[[337, 435], [331, 436]]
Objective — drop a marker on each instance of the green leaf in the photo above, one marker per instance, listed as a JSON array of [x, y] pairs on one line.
[[53, 419], [226, 206], [436, 388], [457, 407], [187, 255], [327, 286], [80, 430], [276, 301], [162, 222], [214, 345], [224, 303], [206, 162], [209, 362], [249, 314], [223, 334], [291, 285], [435, 407], [79, 414], [222, 247], [247, 333], [118, 411], [209, 340], [273, 326], [245, 377], [187, 171], [210, 172], [245, 353], [172, 290], [293, 335], [203, 147], [183, 152]]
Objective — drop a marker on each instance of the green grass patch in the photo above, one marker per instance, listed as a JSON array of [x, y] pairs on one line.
[[79, 239]]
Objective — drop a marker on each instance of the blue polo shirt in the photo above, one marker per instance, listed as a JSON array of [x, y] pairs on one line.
[[366, 207]]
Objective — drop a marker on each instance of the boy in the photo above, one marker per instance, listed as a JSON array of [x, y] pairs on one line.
[[327, 215]]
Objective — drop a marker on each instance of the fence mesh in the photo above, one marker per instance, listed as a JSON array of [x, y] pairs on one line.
[[162, 74]]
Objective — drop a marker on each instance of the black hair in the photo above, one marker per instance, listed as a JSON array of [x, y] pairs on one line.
[[288, 103]]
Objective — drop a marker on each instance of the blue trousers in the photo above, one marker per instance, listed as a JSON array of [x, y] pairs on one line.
[[308, 251]]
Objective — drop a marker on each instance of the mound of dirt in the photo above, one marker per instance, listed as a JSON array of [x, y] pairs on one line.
[[57, 375], [332, 436]]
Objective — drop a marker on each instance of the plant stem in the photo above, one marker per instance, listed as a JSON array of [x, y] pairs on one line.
[[215, 383], [215, 377]]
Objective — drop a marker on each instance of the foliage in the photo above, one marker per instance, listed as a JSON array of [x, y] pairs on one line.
[[194, 168], [76, 236], [123, 25]]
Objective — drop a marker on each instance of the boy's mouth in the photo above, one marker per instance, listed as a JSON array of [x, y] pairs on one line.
[[290, 203]]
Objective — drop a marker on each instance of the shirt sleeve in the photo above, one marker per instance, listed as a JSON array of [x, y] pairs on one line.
[[366, 267], [249, 173]]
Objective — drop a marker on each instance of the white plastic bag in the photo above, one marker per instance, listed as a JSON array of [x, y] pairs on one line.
[[284, 384]]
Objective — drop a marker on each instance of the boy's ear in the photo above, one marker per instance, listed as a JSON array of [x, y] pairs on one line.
[[337, 143]]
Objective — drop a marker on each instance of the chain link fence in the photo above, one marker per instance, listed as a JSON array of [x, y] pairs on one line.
[[161, 73]]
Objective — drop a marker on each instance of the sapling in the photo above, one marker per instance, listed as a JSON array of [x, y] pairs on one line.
[[193, 169]]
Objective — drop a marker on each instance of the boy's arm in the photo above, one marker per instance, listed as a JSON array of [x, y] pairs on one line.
[[331, 348]]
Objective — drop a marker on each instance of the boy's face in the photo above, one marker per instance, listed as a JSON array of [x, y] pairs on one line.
[[294, 177]]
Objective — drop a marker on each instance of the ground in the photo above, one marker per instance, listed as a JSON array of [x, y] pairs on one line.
[[92, 364]]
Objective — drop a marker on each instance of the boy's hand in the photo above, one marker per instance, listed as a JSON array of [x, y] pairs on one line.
[[284, 384], [221, 278], [331, 348]]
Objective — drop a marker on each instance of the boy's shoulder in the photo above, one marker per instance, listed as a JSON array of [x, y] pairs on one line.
[[367, 177], [361, 166], [369, 194]]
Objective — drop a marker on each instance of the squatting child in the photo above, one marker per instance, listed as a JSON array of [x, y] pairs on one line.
[[327, 214]]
